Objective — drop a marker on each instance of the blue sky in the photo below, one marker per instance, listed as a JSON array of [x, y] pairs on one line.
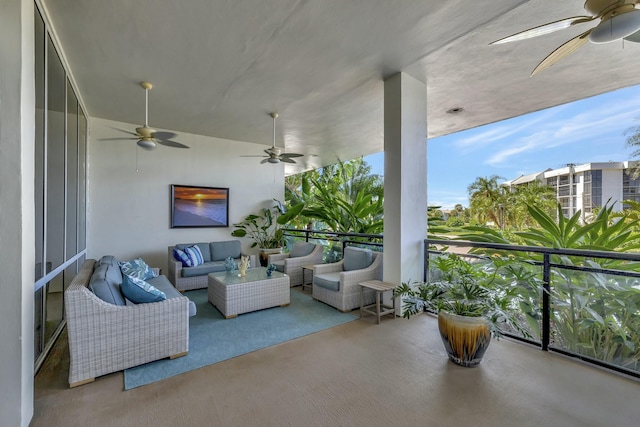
[[589, 130]]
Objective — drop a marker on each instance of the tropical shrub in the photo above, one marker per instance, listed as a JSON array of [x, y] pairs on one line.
[[493, 288]]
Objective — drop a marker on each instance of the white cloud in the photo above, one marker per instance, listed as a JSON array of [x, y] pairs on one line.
[[606, 121], [499, 131]]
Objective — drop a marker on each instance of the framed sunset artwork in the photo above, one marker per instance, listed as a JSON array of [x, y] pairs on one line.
[[199, 206]]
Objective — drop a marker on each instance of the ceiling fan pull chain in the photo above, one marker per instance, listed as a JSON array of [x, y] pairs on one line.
[[146, 107]]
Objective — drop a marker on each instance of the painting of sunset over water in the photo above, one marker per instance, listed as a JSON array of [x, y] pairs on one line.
[[199, 206]]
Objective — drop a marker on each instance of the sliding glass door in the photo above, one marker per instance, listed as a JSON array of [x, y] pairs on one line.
[[60, 189]]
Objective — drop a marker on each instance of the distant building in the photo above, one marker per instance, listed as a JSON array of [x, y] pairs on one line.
[[587, 186]]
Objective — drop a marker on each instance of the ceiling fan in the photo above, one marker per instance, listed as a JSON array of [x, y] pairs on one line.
[[146, 136], [275, 154], [619, 19]]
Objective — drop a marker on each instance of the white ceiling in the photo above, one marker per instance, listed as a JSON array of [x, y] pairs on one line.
[[219, 67]]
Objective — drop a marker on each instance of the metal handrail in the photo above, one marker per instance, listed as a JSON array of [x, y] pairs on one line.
[[547, 265]]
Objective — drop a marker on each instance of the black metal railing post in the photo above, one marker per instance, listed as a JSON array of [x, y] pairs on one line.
[[425, 273], [546, 292]]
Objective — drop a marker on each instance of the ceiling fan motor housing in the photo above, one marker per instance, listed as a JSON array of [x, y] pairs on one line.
[[601, 7], [618, 19]]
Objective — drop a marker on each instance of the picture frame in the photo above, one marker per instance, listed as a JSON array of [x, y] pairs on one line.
[[199, 206]]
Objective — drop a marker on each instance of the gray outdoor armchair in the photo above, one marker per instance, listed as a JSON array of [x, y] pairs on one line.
[[303, 253], [336, 283]]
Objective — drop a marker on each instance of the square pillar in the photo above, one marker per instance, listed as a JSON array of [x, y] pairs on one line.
[[405, 178], [17, 229]]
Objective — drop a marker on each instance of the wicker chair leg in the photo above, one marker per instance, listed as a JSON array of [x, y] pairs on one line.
[[175, 356], [82, 382]]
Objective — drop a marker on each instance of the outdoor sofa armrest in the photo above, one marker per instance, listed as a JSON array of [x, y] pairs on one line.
[[277, 257], [175, 268], [329, 268]]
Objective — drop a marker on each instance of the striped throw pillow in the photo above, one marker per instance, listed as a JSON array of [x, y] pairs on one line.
[[182, 257], [194, 255]]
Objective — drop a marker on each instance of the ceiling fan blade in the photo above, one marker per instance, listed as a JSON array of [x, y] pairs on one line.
[[164, 135], [545, 29], [562, 52], [635, 37], [169, 143], [251, 155], [264, 161], [125, 131], [290, 155], [118, 139], [286, 160]]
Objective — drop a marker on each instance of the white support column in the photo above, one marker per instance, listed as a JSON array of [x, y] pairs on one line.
[[17, 130], [405, 178]]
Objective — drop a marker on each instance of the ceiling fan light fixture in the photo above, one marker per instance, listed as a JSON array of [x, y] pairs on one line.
[[617, 27], [146, 143], [273, 160]]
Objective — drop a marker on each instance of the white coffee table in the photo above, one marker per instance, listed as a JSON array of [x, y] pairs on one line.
[[233, 295]]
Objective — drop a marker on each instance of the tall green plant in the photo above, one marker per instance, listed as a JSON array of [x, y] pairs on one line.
[[266, 228], [363, 214], [344, 197]]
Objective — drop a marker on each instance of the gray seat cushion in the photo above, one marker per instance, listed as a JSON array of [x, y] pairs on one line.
[[357, 258], [203, 269], [204, 249], [223, 250], [301, 249], [163, 284], [329, 281]]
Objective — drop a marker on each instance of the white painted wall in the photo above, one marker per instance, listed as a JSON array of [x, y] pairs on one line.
[[129, 212], [612, 188], [17, 124]]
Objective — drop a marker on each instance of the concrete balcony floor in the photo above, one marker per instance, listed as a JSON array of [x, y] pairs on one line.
[[357, 374]]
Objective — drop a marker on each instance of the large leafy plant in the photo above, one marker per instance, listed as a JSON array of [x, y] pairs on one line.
[[491, 288], [265, 228]]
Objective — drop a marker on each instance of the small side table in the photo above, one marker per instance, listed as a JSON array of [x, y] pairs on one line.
[[311, 268], [380, 309]]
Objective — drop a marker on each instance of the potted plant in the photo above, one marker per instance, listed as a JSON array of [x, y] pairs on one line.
[[474, 301], [265, 228]]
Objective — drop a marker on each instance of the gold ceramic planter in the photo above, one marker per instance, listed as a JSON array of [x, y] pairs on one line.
[[263, 255], [465, 338]]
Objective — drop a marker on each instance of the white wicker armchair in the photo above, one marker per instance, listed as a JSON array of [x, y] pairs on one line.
[[347, 297], [292, 266]]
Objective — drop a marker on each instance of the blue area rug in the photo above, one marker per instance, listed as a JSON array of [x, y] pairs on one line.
[[212, 338]]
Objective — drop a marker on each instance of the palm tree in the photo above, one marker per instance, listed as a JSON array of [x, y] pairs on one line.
[[532, 194], [485, 196]]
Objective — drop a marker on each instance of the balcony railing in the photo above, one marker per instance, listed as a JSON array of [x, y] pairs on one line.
[[335, 242], [587, 302]]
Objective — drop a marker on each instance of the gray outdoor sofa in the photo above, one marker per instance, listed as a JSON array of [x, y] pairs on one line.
[[214, 254], [108, 333]]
